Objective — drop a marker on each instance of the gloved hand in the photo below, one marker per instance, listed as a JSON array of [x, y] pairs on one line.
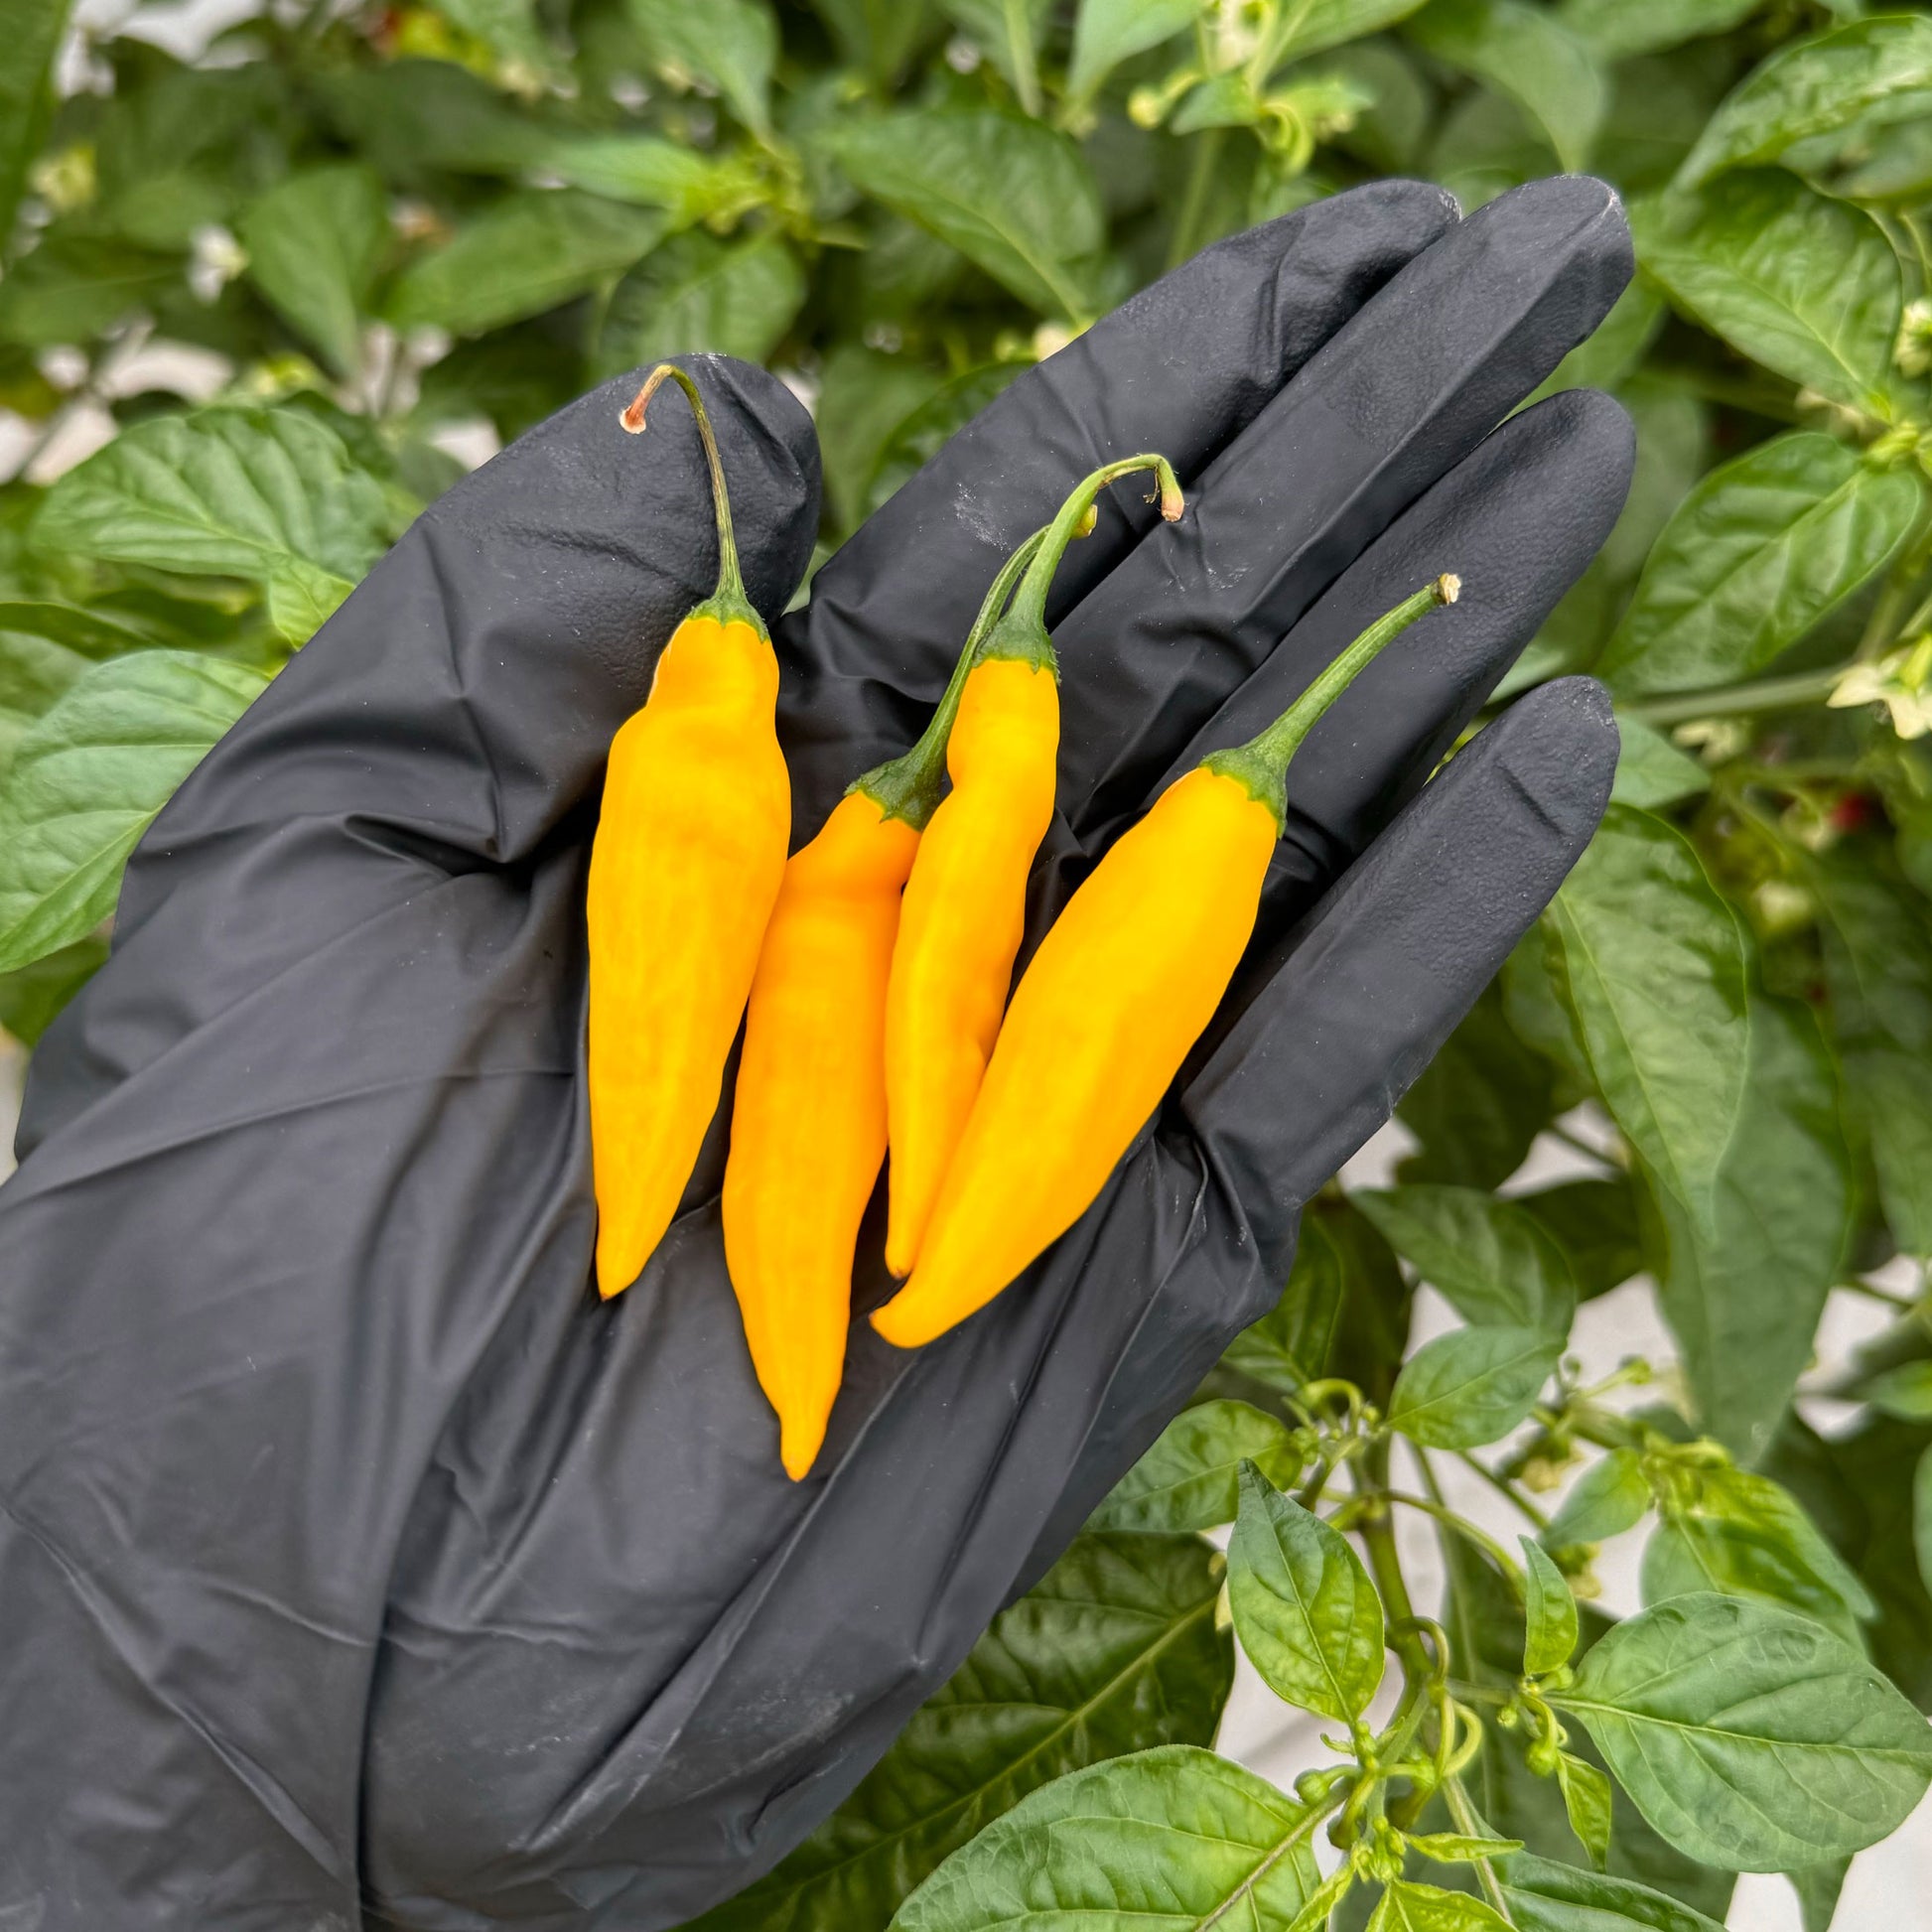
[[357, 1567]]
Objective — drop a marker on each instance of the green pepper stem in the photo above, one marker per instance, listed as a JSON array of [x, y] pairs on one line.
[[1262, 763], [727, 603], [1022, 633], [907, 786]]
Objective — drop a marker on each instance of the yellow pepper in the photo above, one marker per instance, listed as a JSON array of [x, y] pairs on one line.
[[1110, 1006], [966, 899], [689, 852], [809, 1121]]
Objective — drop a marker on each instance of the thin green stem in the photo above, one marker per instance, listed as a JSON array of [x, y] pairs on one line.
[[1471, 1826], [1462, 1527], [1762, 693], [1372, 1476], [1871, 1291], [1505, 1490], [1201, 176]]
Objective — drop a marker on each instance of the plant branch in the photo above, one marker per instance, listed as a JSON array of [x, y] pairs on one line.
[[1761, 694]]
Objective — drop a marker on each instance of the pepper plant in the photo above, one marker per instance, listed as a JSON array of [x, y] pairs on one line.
[[362, 230]]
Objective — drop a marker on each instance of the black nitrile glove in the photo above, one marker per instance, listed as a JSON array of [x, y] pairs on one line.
[[356, 1567]]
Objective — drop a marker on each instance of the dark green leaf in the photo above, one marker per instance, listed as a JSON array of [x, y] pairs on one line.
[[1750, 1736], [1489, 1257], [511, 31], [1288, 1346], [1757, 553], [267, 494], [1113, 1651], [1817, 84], [1371, 1327], [314, 243], [1410, 1907], [1108, 32], [1594, 1223], [1550, 1620], [699, 293], [1305, 27], [409, 115], [1303, 1608], [1744, 1294], [1545, 1896], [863, 398], [1651, 772], [1176, 1831], [920, 436], [1805, 285], [1527, 55], [1922, 1517], [1611, 1497], [31, 32], [1010, 195], [1190, 1478], [1604, 359], [516, 376], [75, 285], [732, 44], [32, 997], [1472, 1386], [1480, 1103], [90, 775], [877, 35], [1588, 1800], [1613, 30], [1008, 31], [1651, 964], [1904, 1392]]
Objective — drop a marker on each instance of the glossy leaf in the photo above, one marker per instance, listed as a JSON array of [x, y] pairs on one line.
[[1550, 1613], [1526, 53], [1108, 32], [32, 31], [1805, 285], [1588, 1803], [88, 777], [1490, 1258], [1472, 1386], [1546, 1897], [1757, 553], [1190, 1478], [1177, 1832], [527, 254], [314, 243], [266, 494], [1409, 1907], [32, 996], [1290, 1344], [1651, 966], [1614, 29], [1651, 772], [1113, 1651], [732, 44], [1866, 70], [1011, 196], [1611, 1497], [699, 293], [1303, 1608], [1750, 1736], [1459, 1848]]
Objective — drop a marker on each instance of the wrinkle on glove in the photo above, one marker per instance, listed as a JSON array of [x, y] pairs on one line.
[[357, 1567]]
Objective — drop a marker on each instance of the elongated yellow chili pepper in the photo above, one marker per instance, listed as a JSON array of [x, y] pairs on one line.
[[966, 899], [1107, 1011], [808, 1120], [689, 852]]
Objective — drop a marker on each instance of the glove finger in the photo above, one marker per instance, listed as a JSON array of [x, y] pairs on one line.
[[1401, 395], [1347, 1009], [1181, 368]]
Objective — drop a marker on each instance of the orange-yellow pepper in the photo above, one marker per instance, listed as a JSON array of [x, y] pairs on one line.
[[1109, 1007], [689, 852], [966, 899], [808, 1120]]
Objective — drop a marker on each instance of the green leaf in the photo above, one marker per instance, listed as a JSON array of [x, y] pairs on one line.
[[1545, 1896], [1651, 966], [1757, 553], [1904, 1392], [1303, 1608], [1305, 27], [1744, 1294], [525, 253], [1817, 1887], [314, 243], [923, 434], [651, 173], [1614, 29], [1879, 970], [1594, 1223], [73, 285], [32, 996], [1108, 32], [1288, 1345], [1586, 1801], [1489, 1257], [1651, 772], [732, 44], [33, 32], [1480, 1103], [1373, 1318], [1190, 1478], [1864, 69], [1922, 1517], [267, 494], [1614, 348], [1011, 196], [1743, 1535], [1805, 285], [1114, 1650], [1472, 1386], [1409, 1907], [1527, 55], [1550, 1617], [89, 776], [511, 31], [877, 37], [1175, 1831], [1009, 33], [1611, 1497], [863, 398], [699, 293], [1458, 1848], [1751, 1737]]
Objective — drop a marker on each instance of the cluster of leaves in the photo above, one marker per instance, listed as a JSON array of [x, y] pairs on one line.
[[372, 227]]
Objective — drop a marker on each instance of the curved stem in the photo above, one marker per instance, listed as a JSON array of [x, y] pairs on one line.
[[1762, 693]]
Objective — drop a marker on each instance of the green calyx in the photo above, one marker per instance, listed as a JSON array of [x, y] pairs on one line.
[[908, 786], [1261, 764], [728, 603], [1022, 634]]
